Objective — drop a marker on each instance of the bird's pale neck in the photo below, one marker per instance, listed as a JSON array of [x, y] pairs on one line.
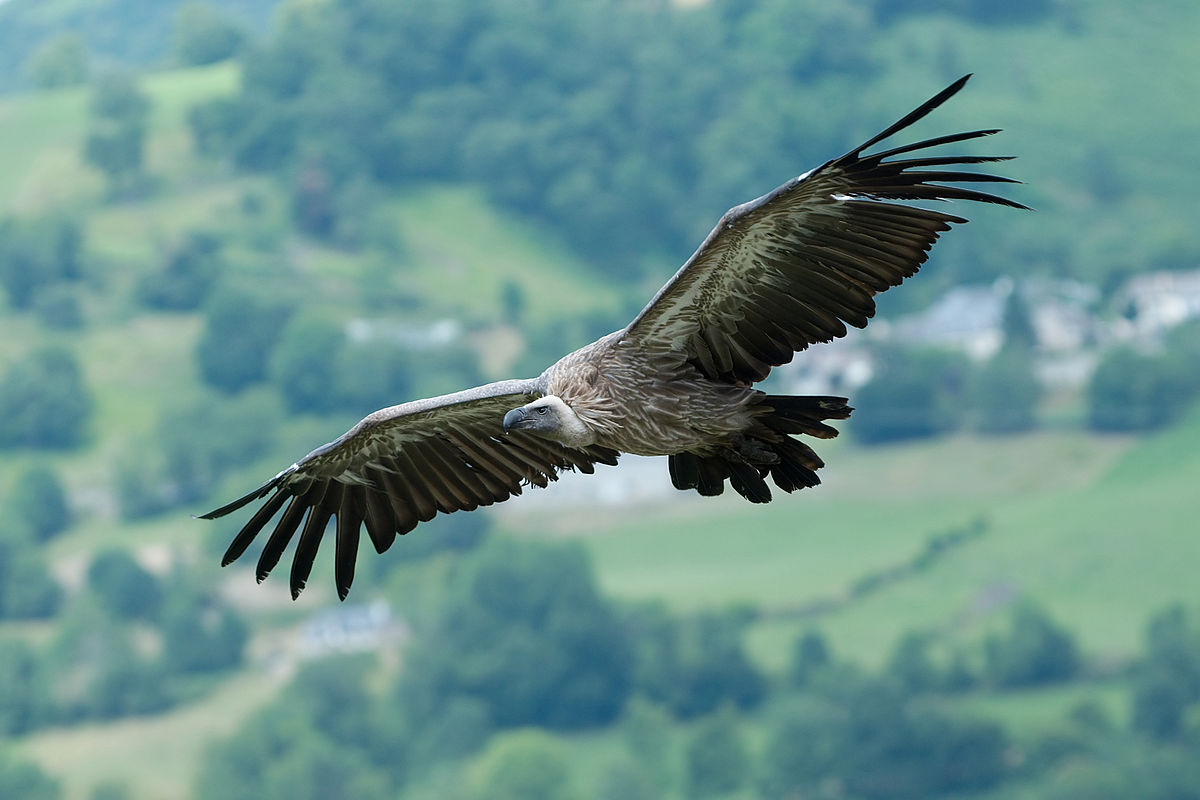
[[572, 430]]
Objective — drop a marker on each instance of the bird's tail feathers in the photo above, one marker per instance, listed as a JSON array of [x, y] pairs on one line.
[[790, 463]]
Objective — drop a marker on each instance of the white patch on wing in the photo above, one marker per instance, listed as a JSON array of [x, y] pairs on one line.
[[283, 472]]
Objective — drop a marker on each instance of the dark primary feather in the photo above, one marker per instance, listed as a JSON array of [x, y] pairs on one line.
[[398, 467], [797, 265]]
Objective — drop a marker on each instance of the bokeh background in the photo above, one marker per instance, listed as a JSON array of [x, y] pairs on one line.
[[229, 229]]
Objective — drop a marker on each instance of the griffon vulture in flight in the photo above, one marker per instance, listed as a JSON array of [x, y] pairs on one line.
[[775, 275]]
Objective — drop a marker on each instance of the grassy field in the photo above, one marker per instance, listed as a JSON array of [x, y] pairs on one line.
[[42, 134], [1098, 530], [155, 756], [454, 270]]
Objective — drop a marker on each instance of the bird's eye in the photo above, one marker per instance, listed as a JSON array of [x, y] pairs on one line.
[[542, 409]]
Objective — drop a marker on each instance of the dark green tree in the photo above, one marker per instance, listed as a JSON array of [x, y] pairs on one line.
[[376, 374], [525, 631], [810, 655], [37, 254], [527, 765], [913, 394], [44, 401], [717, 668], [694, 665], [304, 363], [123, 586], [1035, 651], [27, 590], [1017, 323], [26, 780], [213, 124], [24, 697], [1159, 705], [1005, 392], [37, 498], [57, 307], [647, 733], [717, 761], [60, 61], [327, 710], [314, 198], [512, 301], [803, 747], [96, 671], [1167, 682], [461, 727], [864, 737], [1182, 348], [314, 769], [201, 35], [117, 133], [239, 334], [187, 277], [911, 666], [201, 633], [1132, 391]]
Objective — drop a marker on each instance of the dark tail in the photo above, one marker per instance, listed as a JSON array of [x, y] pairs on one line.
[[768, 448]]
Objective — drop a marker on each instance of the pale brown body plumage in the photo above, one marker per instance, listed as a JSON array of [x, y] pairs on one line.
[[777, 274], [678, 408]]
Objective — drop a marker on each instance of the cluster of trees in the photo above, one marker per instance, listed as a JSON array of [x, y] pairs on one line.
[[522, 647], [865, 736], [1134, 391], [1167, 682], [40, 261], [26, 780], [35, 511], [616, 123], [61, 49], [918, 393], [98, 664], [44, 401], [116, 138], [522, 638], [922, 393]]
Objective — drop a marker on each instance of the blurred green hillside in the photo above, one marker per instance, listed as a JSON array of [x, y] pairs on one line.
[[209, 268]]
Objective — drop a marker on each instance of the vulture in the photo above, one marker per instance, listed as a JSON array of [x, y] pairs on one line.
[[776, 274]]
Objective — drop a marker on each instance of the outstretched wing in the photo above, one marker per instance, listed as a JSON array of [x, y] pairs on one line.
[[397, 467], [794, 266]]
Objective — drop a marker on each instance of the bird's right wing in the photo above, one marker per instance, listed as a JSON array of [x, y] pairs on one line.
[[798, 264], [400, 466]]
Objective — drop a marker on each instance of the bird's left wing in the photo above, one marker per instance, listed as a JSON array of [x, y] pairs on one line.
[[397, 467], [796, 265]]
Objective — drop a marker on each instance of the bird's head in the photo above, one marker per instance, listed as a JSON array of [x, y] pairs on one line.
[[551, 418]]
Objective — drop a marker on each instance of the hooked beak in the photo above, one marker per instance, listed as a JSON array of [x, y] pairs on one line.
[[517, 418]]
